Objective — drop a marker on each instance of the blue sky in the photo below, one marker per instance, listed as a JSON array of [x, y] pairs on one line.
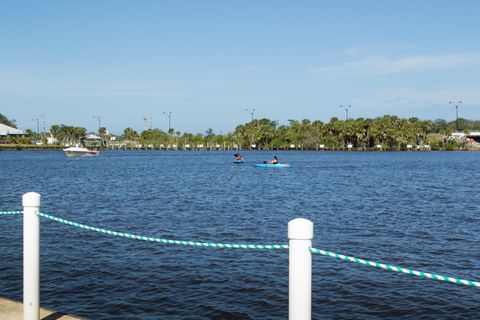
[[207, 61]]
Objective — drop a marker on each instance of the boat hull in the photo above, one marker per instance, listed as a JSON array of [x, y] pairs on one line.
[[270, 165], [76, 152]]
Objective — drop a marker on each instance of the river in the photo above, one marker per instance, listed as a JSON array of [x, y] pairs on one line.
[[410, 209]]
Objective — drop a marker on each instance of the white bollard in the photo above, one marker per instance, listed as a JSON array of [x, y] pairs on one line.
[[300, 235], [31, 256]]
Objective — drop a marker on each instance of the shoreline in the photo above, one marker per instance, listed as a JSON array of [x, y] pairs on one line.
[[60, 148]]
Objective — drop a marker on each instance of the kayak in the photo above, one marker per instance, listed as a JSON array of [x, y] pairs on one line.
[[239, 161], [271, 165]]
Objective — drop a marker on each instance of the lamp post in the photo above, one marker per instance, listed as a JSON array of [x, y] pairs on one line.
[[456, 109], [43, 123], [251, 111], [169, 115], [38, 126], [99, 123], [144, 124], [346, 110], [147, 124]]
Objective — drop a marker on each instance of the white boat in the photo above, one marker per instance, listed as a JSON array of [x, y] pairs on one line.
[[77, 151], [474, 137]]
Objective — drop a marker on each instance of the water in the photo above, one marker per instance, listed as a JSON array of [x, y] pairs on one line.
[[417, 210]]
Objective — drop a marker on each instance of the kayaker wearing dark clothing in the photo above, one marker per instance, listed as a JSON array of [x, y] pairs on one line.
[[273, 161]]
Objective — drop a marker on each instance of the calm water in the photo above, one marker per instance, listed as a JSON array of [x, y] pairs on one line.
[[417, 210]]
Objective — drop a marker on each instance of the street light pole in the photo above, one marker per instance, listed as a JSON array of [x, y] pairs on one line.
[[252, 111], [346, 110], [43, 123], [99, 119], [144, 124], [38, 125], [456, 109], [169, 115]]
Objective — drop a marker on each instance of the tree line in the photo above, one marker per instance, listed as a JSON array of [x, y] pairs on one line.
[[389, 131]]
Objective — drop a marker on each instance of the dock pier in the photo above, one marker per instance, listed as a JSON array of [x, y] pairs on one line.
[[13, 310]]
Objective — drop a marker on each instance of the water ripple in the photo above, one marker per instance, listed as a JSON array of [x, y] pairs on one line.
[[417, 210]]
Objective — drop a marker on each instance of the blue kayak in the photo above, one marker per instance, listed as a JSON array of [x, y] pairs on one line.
[[271, 165], [239, 161]]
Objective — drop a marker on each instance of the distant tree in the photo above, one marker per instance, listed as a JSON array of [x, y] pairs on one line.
[[265, 132], [209, 133], [154, 136], [438, 126], [6, 121], [130, 134], [67, 134], [54, 130]]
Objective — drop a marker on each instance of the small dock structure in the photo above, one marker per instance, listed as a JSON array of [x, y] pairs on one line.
[[13, 310]]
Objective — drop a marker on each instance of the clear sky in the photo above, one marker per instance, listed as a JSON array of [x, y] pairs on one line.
[[207, 61]]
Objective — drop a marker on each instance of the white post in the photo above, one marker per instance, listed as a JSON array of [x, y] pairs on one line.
[[31, 256], [300, 235]]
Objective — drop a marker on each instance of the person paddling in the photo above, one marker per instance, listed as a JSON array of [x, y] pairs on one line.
[[273, 161], [238, 157]]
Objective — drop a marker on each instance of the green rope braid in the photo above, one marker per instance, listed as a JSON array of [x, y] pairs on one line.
[[10, 212], [166, 241], [397, 269], [257, 246]]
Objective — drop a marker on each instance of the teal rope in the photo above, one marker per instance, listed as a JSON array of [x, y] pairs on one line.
[[166, 241], [10, 212], [257, 246], [397, 269]]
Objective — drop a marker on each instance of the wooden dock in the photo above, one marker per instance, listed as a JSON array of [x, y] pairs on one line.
[[13, 310]]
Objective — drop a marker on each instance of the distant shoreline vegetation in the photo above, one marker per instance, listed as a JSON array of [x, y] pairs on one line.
[[382, 133]]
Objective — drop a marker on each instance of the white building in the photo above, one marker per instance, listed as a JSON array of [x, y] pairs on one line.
[[51, 140], [9, 131]]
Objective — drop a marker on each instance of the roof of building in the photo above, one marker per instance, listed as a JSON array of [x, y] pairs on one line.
[[91, 137], [7, 131]]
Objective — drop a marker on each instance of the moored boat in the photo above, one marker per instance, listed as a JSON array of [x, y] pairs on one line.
[[75, 152]]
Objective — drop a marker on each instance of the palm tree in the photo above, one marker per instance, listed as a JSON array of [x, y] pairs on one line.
[[130, 134]]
